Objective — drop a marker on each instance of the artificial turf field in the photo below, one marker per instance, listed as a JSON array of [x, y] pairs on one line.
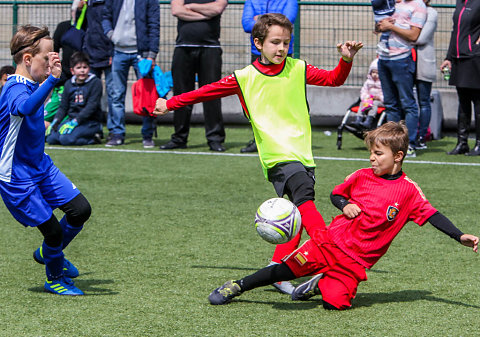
[[169, 227]]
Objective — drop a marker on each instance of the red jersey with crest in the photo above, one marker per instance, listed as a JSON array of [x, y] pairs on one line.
[[387, 205]]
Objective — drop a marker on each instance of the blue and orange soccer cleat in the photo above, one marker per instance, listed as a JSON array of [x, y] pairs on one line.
[[69, 270], [62, 286]]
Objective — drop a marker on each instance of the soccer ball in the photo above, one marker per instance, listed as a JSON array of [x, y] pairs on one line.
[[278, 220]]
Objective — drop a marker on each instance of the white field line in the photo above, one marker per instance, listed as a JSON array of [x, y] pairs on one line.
[[241, 155]]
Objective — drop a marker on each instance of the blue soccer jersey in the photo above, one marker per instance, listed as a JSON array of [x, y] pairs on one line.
[[22, 129]]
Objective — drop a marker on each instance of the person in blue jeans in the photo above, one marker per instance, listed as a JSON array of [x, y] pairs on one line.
[[252, 9], [426, 73], [397, 68], [78, 120], [99, 48], [134, 28]]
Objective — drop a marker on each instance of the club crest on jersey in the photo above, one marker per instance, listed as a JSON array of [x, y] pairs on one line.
[[392, 212]]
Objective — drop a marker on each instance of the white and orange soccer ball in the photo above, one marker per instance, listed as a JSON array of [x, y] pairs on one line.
[[278, 220]]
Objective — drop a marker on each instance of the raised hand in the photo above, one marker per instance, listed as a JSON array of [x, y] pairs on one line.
[[54, 64], [349, 49]]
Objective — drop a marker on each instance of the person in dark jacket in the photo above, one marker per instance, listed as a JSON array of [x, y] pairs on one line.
[[78, 119], [198, 54], [134, 28], [98, 46], [463, 59]]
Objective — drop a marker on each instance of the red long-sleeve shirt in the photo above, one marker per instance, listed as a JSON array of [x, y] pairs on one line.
[[228, 86]]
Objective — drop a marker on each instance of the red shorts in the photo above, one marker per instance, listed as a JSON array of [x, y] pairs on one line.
[[341, 274]]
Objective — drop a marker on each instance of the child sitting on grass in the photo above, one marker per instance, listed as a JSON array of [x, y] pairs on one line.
[[272, 91], [78, 119], [376, 203]]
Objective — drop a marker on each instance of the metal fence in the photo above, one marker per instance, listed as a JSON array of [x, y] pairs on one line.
[[319, 27]]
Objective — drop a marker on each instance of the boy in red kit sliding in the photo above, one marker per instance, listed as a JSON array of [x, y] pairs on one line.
[[376, 203], [272, 91]]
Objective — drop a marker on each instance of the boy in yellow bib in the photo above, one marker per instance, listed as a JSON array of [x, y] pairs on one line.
[[272, 91]]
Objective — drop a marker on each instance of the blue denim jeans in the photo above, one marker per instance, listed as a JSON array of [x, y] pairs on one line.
[[397, 77], [424, 90], [107, 71], [121, 64]]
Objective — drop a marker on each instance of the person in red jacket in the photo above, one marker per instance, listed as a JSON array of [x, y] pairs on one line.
[[376, 203], [272, 91]]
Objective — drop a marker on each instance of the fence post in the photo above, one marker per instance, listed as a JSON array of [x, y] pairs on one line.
[[15, 17], [296, 33]]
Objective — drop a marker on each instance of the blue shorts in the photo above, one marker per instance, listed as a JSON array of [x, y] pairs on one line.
[[32, 203]]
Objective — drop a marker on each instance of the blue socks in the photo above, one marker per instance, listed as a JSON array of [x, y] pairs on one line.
[[53, 257], [69, 232]]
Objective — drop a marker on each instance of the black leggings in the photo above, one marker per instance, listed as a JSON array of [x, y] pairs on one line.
[[77, 211]]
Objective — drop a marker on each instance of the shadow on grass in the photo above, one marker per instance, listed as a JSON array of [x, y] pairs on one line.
[[89, 287], [366, 300], [225, 267], [362, 300], [286, 304]]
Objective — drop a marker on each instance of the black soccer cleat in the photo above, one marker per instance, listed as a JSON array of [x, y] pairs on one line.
[[225, 293]]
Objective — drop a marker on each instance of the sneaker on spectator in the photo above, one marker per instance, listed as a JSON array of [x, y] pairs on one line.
[[148, 143], [411, 152], [114, 140], [421, 144]]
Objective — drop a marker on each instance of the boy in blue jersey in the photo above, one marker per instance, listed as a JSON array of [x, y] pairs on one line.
[[31, 186]]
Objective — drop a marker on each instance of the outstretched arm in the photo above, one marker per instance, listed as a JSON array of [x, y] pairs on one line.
[[443, 224]]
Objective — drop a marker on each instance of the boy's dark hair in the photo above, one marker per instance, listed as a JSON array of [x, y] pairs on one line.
[[27, 40], [391, 134], [261, 27], [79, 57], [9, 70]]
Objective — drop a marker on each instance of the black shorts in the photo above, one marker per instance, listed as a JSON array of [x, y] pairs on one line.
[[295, 180]]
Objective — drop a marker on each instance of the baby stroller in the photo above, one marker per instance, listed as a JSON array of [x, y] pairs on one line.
[[356, 128]]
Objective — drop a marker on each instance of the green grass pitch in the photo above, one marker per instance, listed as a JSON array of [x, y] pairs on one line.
[[168, 228]]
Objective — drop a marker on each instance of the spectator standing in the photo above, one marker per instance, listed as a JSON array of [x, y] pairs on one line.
[[134, 28], [98, 47], [251, 11], [197, 53], [426, 73], [463, 58], [78, 120], [397, 68]]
